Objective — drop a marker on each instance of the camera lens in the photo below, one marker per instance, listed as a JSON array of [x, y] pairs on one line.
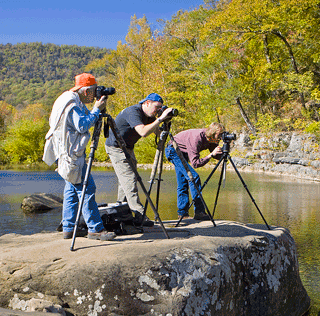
[[174, 112], [228, 137], [101, 90]]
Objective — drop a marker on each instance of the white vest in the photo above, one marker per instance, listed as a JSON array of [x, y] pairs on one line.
[[63, 142]]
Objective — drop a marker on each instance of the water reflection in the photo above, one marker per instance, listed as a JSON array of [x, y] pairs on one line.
[[283, 201]]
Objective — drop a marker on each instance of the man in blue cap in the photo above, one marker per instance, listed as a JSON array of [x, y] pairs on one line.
[[134, 122]]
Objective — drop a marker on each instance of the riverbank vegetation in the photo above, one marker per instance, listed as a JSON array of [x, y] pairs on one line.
[[247, 64]]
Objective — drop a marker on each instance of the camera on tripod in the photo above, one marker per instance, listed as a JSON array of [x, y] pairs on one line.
[[101, 90], [228, 137], [174, 112]]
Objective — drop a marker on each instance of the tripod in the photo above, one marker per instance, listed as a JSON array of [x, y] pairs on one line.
[[224, 159], [159, 160], [93, 147]]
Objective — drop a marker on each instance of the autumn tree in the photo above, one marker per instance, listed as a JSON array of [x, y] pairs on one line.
[[272, 55]]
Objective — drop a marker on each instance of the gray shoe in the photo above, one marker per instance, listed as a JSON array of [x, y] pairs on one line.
[[103, 235]]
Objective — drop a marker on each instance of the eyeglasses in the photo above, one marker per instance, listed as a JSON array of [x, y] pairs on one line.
[[215, 137]]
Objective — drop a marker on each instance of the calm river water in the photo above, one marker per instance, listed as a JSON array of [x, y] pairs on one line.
[[287, 202]]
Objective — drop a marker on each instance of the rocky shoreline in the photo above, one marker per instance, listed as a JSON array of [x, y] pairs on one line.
[[290, 154]]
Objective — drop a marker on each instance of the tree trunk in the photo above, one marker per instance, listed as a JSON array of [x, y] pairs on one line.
[[293, 62], [245, 117]]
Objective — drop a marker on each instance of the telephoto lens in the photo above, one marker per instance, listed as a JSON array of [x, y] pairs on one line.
[[228, 137], [101, 90], [174, 112]]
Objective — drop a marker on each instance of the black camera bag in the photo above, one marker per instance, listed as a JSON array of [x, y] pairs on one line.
[[116, 217]]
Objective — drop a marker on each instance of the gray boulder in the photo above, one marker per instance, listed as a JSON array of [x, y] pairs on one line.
[[39, 203], [230, 269]]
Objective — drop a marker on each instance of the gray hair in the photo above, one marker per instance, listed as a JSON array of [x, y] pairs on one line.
[[82, 89]]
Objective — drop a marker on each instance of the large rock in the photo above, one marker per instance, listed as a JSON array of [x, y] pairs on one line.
[[231, 269], [39, 203]]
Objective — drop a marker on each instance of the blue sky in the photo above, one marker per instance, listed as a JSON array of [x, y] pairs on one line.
[[83, 23]]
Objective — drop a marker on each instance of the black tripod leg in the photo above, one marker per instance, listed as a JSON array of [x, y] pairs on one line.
[[204, 184], [191, 178], [93, 147], [245, 186], [219, 186], [211, 173], [203, 202], [151, 204], [85, 184], [208, 178], [179, 221]]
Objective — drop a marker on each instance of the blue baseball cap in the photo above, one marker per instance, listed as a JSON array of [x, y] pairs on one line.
[[152, 97]]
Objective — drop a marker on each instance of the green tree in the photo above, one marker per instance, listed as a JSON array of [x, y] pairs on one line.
[[189, 72], [132, 68], [25, 138]]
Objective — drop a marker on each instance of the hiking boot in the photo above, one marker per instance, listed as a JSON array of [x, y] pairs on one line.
[[102, 235], [79, 233], [138, 219], [201, 216], [148, 222]]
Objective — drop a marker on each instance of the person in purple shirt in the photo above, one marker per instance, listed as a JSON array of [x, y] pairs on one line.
[[191, 142]]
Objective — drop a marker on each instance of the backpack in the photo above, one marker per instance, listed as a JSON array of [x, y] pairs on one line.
[[117, 217]]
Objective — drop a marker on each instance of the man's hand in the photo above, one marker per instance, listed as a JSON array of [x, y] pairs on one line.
[[101, 103], [216, 151], [165, 114]]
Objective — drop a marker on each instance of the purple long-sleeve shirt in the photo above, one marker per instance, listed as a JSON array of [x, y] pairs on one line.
[[192, 142]]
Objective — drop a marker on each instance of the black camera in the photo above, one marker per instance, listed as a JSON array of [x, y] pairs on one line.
[[228, 137], [101, 90], [174, 112]]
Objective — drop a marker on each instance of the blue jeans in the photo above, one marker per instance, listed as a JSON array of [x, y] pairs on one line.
[[90, 212], [183, 184]]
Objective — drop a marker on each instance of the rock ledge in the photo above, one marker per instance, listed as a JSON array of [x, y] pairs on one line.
[[231, 269]]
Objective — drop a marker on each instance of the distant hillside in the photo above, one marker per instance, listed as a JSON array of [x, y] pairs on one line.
[[37, 73]]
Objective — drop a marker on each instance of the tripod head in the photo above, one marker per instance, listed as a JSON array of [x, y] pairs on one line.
[[103, 113], [227, 138], [164, 129], [226, 148]]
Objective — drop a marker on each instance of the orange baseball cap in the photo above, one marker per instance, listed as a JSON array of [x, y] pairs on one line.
[[83, 80]]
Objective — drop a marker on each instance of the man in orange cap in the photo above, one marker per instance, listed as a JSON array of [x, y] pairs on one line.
[[66, 141]]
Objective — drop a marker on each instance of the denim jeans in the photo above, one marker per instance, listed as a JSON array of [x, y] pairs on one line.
[[71, 199], [183, 184]]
